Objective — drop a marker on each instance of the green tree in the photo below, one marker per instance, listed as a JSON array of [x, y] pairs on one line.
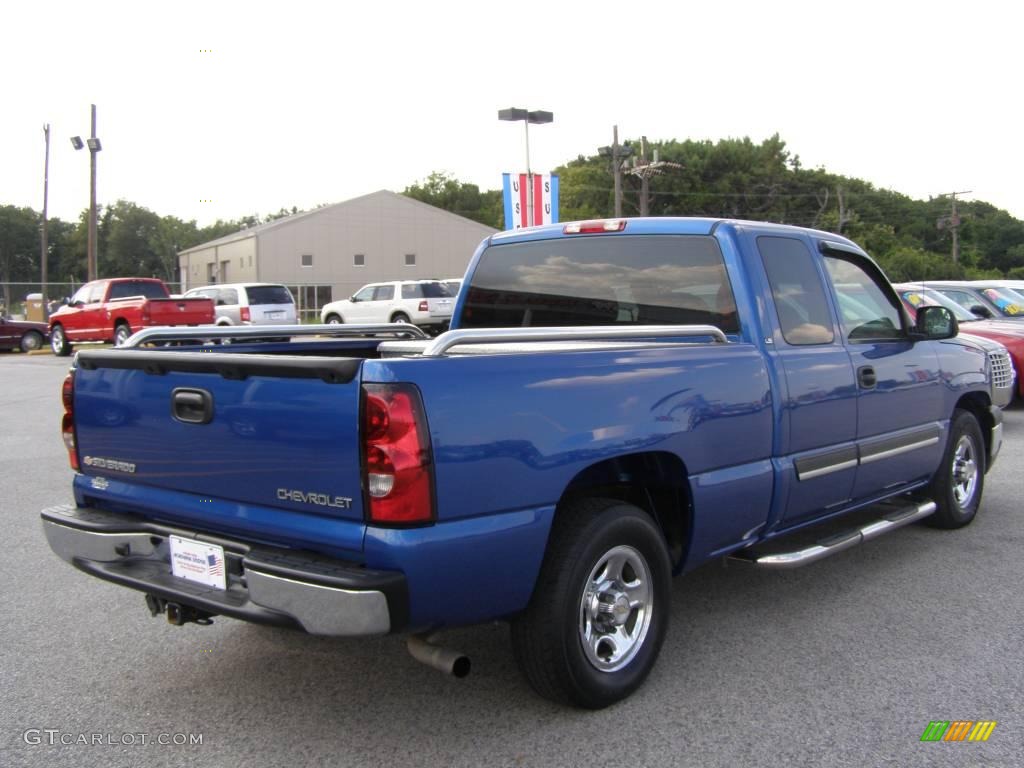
[[19, 249], [443, 191]]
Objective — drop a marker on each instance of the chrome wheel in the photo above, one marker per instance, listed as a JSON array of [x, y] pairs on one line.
[[965, 471], [616, 609], [121, 334], [31, 341]]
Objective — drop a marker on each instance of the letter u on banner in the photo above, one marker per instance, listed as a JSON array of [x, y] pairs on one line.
[[544, 194]]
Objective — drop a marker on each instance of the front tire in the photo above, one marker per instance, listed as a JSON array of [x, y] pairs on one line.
[[957, 487], [31, 341], [600, 608], [59, 342], [334, 320]]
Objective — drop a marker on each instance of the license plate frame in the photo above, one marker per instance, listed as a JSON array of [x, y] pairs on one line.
[[198, 562]]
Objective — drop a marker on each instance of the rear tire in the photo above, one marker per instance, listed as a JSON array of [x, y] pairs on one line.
[[957, 487], [59, 342], [400, 317], [121, 334], [600, 608], [31, 341]]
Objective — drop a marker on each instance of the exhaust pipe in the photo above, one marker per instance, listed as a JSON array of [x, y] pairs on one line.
[[442, 659]]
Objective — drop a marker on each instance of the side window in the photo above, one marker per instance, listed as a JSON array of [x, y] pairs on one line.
[[95, 295], [82, 294], [866, 310], [384, 293], [366, 294], [797, 291], [412, 291], [228, 296]]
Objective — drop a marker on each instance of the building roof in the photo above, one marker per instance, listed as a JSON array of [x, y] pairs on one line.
[[259, 229]]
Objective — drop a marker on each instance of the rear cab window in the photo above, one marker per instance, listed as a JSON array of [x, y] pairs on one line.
[[145, 288], [619, 280]]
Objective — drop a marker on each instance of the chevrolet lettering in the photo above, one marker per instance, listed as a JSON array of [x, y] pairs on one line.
[[319, 499]]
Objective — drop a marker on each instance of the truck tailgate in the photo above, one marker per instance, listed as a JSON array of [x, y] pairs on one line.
[[274, 431], [180, 311]]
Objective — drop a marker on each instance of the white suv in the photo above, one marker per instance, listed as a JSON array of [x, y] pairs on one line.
[[421, 302], [249, 303]]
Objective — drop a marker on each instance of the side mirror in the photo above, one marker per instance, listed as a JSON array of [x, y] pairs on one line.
[[934, 324], [981, 311], [353, 298]]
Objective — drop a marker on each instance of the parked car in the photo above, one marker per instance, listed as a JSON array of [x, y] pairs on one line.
[[984, 299], [112, 310], [426, 303], [1003, 340], [22, 334], [249, 303], [454, 285]]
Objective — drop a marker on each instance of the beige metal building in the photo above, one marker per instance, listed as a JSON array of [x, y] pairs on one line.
[[329, 253]]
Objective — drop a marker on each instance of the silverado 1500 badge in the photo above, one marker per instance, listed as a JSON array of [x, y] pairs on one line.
[[112, 465], [319, 499]]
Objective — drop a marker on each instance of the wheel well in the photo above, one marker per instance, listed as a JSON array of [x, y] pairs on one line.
[[978, 405], [399, 312], [655, 482]]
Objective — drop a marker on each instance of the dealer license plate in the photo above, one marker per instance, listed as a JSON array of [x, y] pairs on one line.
[[199, 562], [275, 315]]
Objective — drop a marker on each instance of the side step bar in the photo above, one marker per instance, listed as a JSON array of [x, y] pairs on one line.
[[835, 544]]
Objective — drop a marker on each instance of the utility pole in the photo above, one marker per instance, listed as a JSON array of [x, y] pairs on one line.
[[645, 170], [45, 246], [952, 222], [618, 155]]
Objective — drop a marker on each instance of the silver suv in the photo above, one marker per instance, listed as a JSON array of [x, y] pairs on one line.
[[249, 303]]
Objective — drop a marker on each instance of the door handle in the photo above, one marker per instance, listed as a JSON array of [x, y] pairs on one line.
[[192, 406], [866, 377]]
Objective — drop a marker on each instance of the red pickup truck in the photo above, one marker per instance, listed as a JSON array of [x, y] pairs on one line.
[[112, 310]]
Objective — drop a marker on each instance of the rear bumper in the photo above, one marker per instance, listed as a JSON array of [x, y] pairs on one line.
[[266, 585]]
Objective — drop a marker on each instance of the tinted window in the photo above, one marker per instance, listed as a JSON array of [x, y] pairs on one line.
[[606, 280], [428, 291], [797, 290], [412, 291], [866, 310], [137, 288], [268, 294]]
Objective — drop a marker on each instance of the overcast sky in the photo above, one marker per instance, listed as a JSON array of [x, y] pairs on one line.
[[219, 109]]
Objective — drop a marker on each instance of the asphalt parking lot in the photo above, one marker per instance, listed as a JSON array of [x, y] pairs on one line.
[[842, 663]]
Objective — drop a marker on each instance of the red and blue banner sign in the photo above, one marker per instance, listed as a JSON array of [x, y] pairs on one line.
[[517, 199]]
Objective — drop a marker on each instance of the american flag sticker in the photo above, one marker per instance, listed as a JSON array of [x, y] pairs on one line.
[[216, 564]]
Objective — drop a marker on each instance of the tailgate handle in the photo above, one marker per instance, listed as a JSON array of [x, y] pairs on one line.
[[192, 406]]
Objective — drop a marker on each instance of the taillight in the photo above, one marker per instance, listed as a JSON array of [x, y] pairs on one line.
[[398, 472], [423, 306], [67, 422], [146, 313], [244, 311], [590, 227]]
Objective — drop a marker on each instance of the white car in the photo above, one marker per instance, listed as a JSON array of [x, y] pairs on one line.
[[249, 303], [427, 303]]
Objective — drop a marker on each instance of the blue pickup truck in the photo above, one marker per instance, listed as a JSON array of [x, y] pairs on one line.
[[616, 402]]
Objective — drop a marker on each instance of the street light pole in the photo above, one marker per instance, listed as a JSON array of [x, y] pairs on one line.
[[94, 146], [44, 244], [538, 117]]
